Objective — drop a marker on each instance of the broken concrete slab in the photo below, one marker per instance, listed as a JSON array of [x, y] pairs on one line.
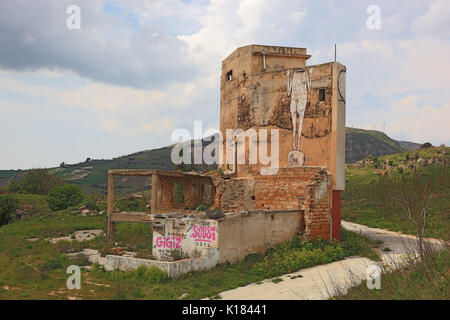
[[173, 268], [80, 236]]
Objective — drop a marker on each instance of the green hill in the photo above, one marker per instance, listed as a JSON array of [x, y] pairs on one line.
[[361, 144], [362, 182], [92, 175]]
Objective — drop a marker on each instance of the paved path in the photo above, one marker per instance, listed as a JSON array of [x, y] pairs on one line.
[[319, 282], [399, 244]]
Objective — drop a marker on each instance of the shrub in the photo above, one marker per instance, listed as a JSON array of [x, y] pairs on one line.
[[142, 274], [62, 197], [151, 274], [129, 204], [8, 205], [286, 260], [426, 145], [425, 279], [92, 205], [55, 263], [177, 254], [291, 256], [36, 181]]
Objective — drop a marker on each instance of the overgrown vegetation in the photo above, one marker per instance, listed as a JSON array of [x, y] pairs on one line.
[[291, 256], [62, 197], [40, 265], [36, 181], [131, 203], [412, 192], [36, 269], [256, 267], [412, 200], [92, 204], [426, 279], [8, 205], [361, 202]]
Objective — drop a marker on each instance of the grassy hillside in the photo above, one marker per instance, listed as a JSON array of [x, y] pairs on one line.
[[33, 268], [92, 175], [361, 144], [360, 206], [423, 280]]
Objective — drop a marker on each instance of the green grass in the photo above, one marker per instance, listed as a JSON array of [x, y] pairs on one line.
[[424, 280], [32, 270], [253, 269], [8, 173], [359, 205], [36, 270]]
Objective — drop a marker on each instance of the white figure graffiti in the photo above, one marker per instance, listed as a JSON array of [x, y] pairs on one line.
[[298, 87]]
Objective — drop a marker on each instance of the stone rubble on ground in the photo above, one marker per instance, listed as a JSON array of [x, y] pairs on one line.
[[80, 236]]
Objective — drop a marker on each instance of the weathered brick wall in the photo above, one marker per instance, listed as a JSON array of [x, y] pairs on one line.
[[317, 207], [233, 194], [166, 201], [285, 190], [194, 193], [301, 188]]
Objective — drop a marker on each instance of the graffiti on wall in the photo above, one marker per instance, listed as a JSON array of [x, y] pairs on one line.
[[168, 242], [186, 236], [298, 88], [203, 236]]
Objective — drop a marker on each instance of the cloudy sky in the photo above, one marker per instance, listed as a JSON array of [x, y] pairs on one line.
[[138, 69]]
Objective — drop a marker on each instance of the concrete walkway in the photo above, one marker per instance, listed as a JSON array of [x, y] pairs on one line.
[[319, 282], [399, 245]]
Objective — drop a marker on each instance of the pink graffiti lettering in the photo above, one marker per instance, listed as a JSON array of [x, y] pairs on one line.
[[168, 242], [204, 233]]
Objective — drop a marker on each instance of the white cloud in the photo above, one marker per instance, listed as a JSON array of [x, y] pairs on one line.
[[436, 21], [164, 75], [425, 123], [122, 109]]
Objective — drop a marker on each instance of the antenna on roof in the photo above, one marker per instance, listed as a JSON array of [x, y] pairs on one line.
[[335, 49]]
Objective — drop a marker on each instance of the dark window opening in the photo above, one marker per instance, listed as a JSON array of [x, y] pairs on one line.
[[321, 95], [230, 75]]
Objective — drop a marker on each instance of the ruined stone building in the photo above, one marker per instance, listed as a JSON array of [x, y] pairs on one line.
[[274, 103]]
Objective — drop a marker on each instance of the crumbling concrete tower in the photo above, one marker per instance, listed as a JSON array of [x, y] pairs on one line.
[[270, 87]]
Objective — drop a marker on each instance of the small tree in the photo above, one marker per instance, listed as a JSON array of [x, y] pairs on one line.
[[8, 205], [62, 197], [413, 190], [36, 181]]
